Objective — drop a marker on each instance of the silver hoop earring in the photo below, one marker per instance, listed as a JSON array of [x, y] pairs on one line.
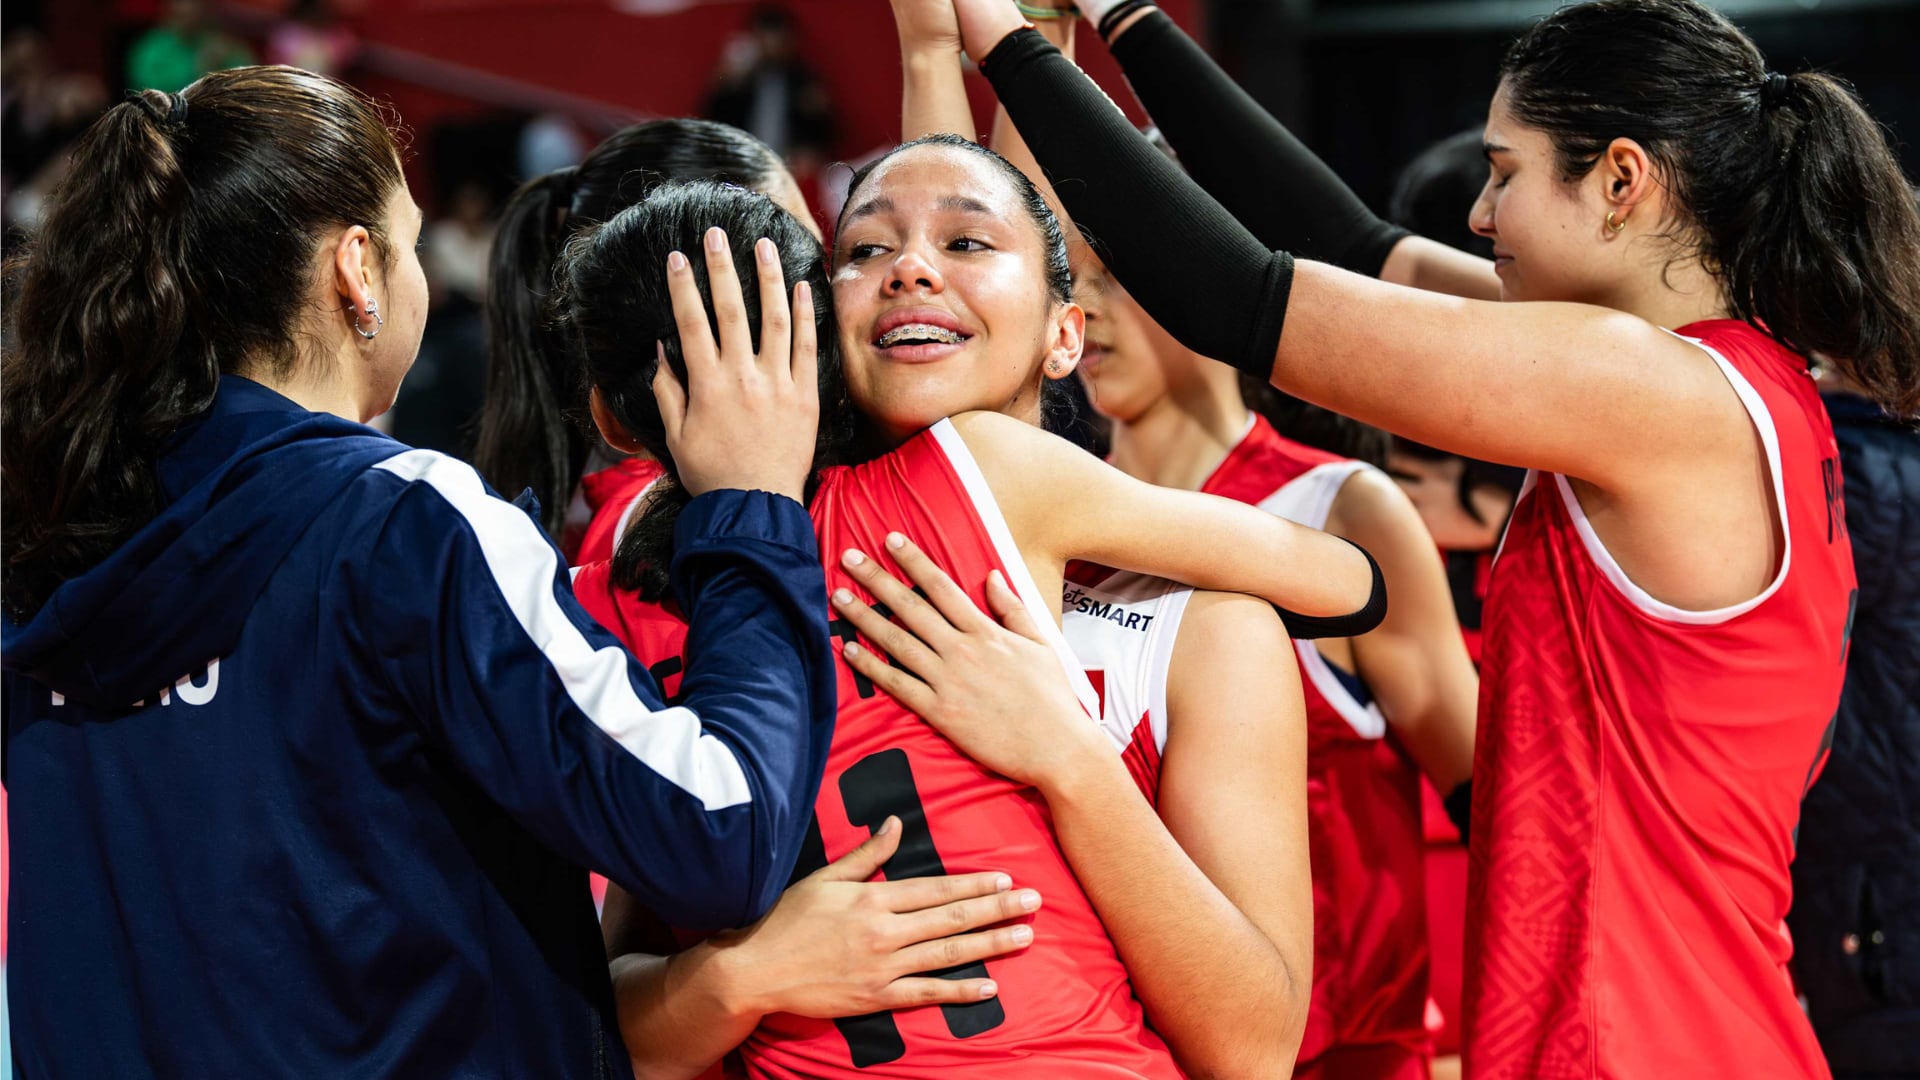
[[373, 309]]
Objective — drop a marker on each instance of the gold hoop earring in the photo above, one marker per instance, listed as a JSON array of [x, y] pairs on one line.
[[1615, 226]]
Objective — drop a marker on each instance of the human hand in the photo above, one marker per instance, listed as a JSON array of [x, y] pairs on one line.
[[984, 22], [926, 26], [997, 691], [839, 945], [742, 420]]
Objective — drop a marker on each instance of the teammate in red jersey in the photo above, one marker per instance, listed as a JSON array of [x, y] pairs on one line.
[[1668, 617], [1066, 1003], [532, 434], [1179, 421]]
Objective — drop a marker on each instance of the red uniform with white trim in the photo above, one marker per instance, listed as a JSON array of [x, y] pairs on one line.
[[1065, 1008], [1123, 627], [1367, 1013], [1638, 778], [613, 496]]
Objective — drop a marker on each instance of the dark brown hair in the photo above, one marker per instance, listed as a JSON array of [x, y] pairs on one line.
[[533, 426], [180, 247], [1801, 207]]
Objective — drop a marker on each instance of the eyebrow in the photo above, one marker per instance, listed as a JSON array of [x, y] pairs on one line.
[[965, 204], [1488, 149], [879, 204]]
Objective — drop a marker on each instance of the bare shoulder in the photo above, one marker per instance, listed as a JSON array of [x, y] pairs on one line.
[[1371, 509], [1227, 637]]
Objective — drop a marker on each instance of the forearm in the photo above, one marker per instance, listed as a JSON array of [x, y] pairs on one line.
[[1005, 137], [1207, 280], [760, 678], [678, 1014], [934, 93], [1216, 987], [1268, 179]]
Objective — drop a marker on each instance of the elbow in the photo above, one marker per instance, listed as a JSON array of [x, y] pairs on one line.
[[1257, 1043]]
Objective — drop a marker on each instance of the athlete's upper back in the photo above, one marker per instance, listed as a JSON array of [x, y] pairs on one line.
[[1638, 777], [1064, 1006]]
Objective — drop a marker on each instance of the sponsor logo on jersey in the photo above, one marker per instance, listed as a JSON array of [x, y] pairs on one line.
[[1079, 599]]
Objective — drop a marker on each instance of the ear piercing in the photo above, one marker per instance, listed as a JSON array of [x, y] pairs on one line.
[[373, 309]]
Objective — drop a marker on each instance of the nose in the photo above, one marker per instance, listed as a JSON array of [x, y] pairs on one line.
[[1480, 218], [912, 269]]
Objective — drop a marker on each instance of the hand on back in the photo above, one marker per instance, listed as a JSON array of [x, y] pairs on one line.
[[839, 945]]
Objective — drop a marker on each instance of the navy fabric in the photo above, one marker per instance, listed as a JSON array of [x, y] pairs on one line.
[[1856, 873], [303, 778]]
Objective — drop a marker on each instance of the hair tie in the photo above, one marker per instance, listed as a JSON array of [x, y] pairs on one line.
[[1774, 88], [176, 110]]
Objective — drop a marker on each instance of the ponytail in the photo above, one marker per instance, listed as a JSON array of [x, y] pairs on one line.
[[531, 433], [108, 363], [1825, 255], [150, 278], [1801, 209]]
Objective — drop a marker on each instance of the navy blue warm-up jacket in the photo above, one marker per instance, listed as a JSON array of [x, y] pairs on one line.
[[303, 778]]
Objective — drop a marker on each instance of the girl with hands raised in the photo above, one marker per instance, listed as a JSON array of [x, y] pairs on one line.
[[1675, 228]]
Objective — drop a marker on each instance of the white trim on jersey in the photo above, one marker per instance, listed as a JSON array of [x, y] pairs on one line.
[[1166, 634], [1526, 488], [1043, 614], [1307, 499], [668, 741], [1762, 419]]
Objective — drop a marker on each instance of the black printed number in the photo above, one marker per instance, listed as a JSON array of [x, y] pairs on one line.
[[876, 786]]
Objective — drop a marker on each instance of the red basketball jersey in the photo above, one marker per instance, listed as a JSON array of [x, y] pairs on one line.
[[1638, 778], [1065, 1007], [613, 496], [1367, 1010]]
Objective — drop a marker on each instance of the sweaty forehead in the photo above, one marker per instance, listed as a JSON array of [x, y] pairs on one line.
[[936, 178]]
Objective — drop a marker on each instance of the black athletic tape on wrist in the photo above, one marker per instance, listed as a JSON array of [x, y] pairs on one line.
[[1307, 627]]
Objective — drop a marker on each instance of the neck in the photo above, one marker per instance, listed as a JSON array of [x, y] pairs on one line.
[[1179, 440], [306, 387], [1674, 294]]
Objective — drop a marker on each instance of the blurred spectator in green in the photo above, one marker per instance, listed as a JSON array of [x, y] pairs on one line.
[[186, 45]]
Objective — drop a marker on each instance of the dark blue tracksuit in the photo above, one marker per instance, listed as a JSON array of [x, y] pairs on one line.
[[303, 776]]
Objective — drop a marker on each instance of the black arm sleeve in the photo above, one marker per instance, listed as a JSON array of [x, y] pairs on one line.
[[1306, 627], [1195, 269], [1284, 194]]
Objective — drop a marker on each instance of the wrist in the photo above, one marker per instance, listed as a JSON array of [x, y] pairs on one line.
[[1087, 766], [722, 970], [918, 54]]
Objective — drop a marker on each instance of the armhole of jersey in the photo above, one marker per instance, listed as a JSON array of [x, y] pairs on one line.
[[1166, 634], [1043, 615], [627, 515], [1307, 499], [1366, 720], [1762, 420], [1526, 488]]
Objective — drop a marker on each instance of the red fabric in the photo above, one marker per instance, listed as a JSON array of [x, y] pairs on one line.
[[1637, 783], [1067, 1009], [608, 493], [1368, 1006]]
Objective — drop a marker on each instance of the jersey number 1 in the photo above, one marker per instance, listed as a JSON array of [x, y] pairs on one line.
[[876, 786]]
